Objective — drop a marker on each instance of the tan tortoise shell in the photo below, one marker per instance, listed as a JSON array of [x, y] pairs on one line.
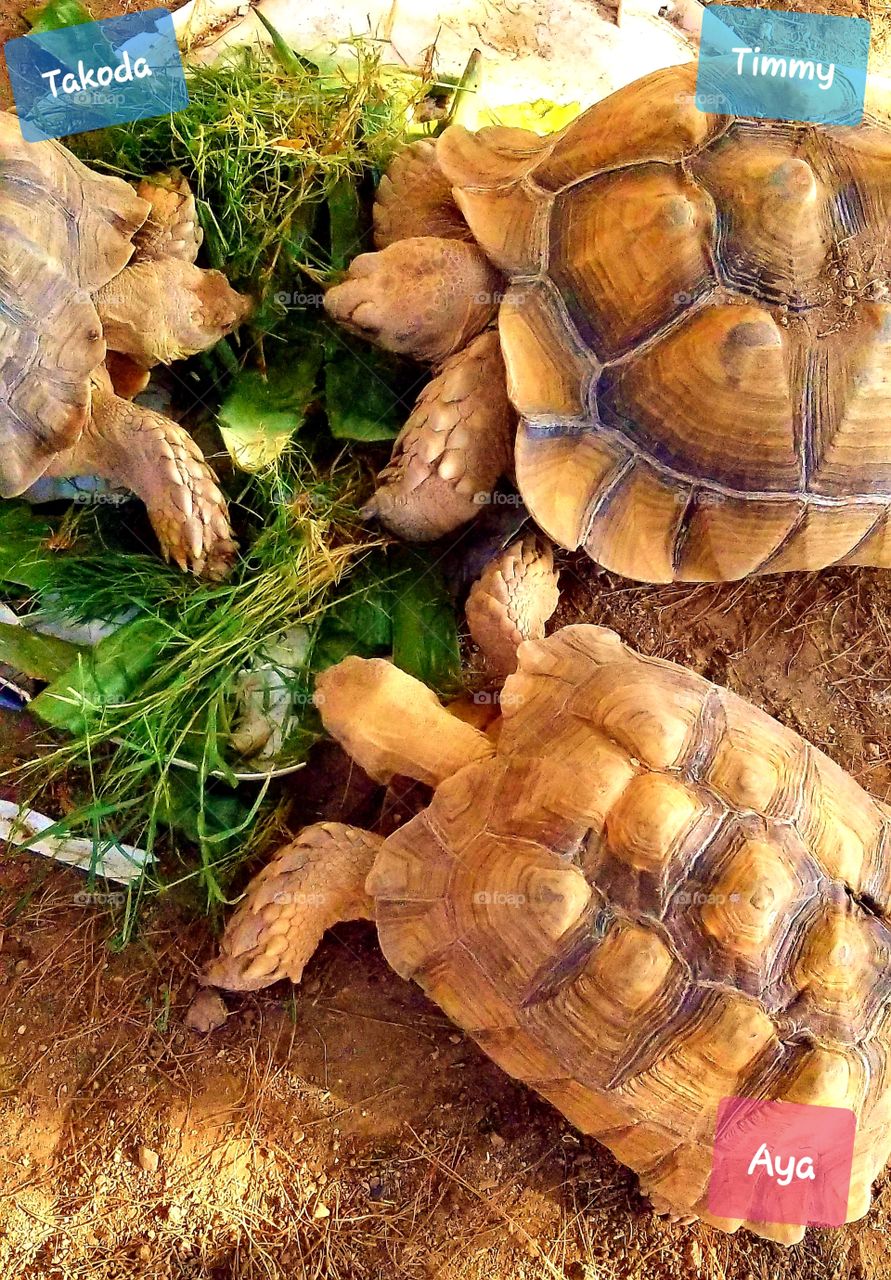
[[697, 332], [64, 233], [667, 899]]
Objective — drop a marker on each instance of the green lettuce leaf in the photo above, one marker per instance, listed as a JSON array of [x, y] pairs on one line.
[[56, 14], [37, 656], [100, 677], [260, 415]]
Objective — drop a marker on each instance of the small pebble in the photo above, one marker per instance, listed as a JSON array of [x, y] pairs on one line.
[[174, 1213], [321, 1211], [147, 1159], [206, 1012], [497, 1141]]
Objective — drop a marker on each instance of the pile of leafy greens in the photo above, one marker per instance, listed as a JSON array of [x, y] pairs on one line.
[[283, 154]]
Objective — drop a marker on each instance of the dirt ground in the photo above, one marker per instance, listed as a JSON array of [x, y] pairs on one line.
[[345, 1130]]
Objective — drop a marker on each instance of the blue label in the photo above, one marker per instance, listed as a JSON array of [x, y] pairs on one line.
[[782, 66], [95, 74]]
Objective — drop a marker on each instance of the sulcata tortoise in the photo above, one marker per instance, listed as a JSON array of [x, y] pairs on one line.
[[638, 893], [97, 285], [693, 328]]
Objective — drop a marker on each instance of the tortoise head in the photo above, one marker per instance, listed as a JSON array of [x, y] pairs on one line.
[[391, 723]]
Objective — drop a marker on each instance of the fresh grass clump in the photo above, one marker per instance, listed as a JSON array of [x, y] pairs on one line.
[[150, 711], [147, 717], [264, 142]]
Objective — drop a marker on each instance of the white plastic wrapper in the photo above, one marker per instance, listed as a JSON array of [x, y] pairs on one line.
[[24, 828]]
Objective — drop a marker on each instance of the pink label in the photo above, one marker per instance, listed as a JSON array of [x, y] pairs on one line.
[[782, 1162]]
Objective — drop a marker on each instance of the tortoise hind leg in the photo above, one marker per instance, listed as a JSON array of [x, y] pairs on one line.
[[679, 1192], [311, 884], [664, 1208]]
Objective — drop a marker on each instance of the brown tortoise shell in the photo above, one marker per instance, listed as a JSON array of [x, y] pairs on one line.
[[667, 899], [64, 233], [695, 332]]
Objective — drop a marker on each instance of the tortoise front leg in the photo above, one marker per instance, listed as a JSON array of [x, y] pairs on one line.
[[152, 455], [311, 884], [414, 198], [424, 297], [512, 601], [456, 443], [172, 229]]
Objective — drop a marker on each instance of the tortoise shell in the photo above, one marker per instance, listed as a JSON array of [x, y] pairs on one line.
[[64, 233], [697, 331], [665, 900]]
